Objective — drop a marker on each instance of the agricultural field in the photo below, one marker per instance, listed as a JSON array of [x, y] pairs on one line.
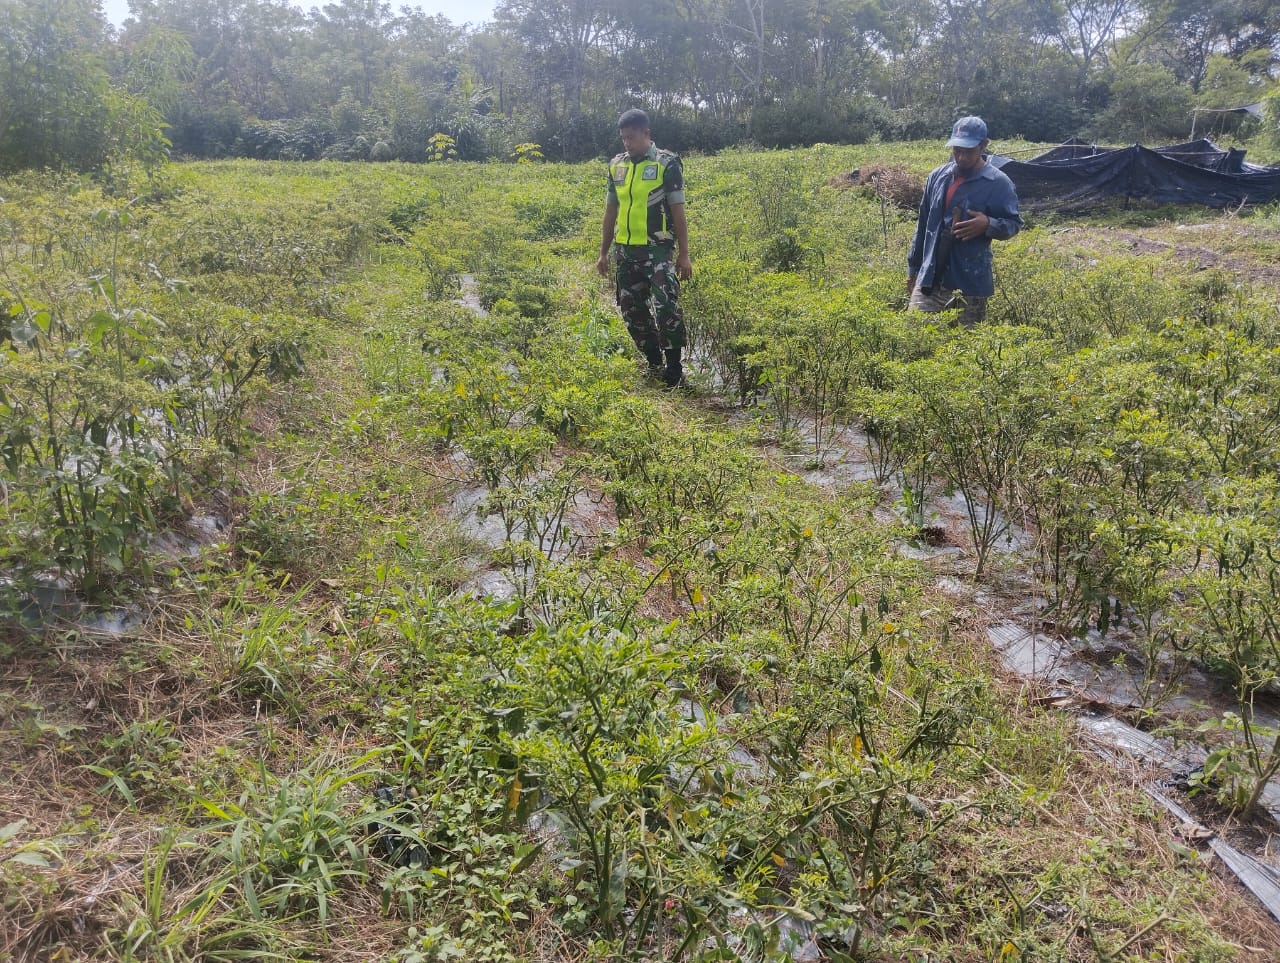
[[360, 599]]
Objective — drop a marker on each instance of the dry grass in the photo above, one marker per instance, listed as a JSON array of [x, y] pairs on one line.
[[1115, 855], [891, 183]]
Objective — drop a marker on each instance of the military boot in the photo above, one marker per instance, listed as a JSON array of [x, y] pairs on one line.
[[653, 355], [674, 374], [650, 347]]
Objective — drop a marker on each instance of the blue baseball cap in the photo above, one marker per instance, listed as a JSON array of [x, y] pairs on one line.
[[968, 132]]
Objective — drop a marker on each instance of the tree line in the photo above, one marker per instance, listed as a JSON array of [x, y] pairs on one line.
[[354, 79]]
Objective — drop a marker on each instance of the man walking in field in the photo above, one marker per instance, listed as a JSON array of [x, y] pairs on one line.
[[645, 226], [967, 203]]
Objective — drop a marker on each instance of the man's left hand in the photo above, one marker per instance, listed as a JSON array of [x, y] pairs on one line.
[[684, 267], [975, 226]]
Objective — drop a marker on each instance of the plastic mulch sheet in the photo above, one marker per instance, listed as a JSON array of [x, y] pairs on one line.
[[1077, 174]]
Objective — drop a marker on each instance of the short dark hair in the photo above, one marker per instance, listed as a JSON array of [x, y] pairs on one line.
[[635, 118]]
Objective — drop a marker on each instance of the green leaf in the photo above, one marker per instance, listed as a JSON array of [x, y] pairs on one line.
[[32, 859], [527, 860], [114, 781], [251, 897], [617, 897], [214, 809], [99, 323]]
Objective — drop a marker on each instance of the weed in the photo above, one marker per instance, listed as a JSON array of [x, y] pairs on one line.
[[138, 763], [291, 842], [169, 927]]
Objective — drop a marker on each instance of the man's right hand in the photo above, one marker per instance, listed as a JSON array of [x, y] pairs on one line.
[[602, 264]]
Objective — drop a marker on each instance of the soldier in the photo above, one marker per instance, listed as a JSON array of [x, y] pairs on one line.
[[644, 223], [966, 204]]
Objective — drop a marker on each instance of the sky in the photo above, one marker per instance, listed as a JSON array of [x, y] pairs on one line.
[[459, 11]]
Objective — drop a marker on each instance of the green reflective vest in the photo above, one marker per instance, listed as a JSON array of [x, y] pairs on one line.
[[644, 190]]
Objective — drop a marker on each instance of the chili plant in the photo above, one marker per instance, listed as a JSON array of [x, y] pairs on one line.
[[981, 401], [78, 435]]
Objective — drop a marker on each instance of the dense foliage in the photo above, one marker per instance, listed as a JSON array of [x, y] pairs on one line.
[[352, 80], [60, 106]]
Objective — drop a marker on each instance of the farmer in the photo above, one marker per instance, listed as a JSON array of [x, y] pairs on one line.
[[645, 225], [967, 203]]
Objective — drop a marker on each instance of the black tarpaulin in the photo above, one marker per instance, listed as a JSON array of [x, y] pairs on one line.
[[1198, 172]]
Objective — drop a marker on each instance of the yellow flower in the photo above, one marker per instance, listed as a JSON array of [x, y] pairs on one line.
[[889, 627]]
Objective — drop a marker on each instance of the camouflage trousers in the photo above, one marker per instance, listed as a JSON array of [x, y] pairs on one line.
[[647, 273]]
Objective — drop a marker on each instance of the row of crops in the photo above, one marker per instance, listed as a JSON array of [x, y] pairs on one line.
[[1124, 410], [718, 717], [135, 337]]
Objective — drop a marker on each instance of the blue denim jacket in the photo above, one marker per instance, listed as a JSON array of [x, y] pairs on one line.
[[968, 269]]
